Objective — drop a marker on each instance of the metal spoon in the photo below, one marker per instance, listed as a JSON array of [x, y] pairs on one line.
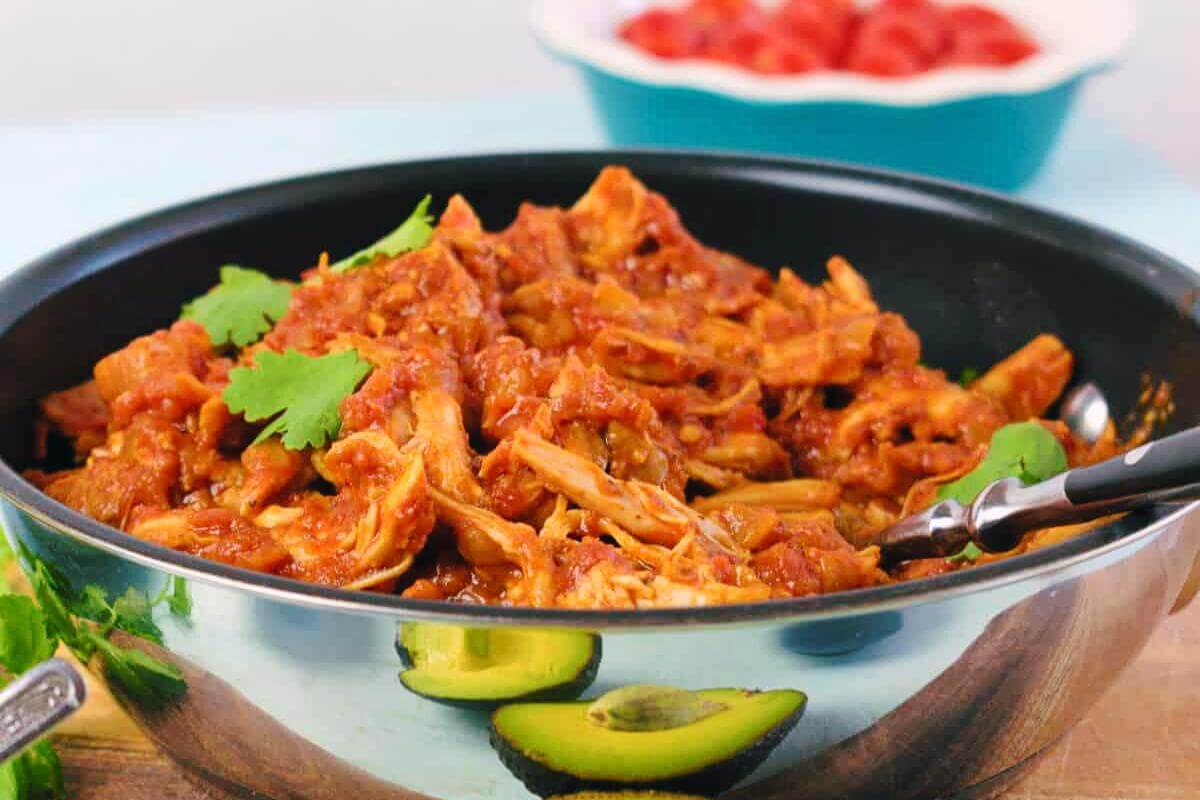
[[37, 701], [1164, 471], [1085, 410]]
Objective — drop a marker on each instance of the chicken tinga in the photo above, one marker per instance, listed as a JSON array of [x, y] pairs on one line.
[[589, 409]]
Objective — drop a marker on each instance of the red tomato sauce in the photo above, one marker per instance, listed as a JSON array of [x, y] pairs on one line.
[[893, 38]]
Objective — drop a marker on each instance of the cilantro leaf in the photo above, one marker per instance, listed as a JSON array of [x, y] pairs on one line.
[[6, 560], [241, 307], [301, 393], [413, 234], [967, 376], [50, 589], [149, 681], [45, 772], [35, 774], [83, 623], [969, 554], [16, 779], [1024, 450], [179, 601], [92, 604], [13, 779], [132, 613], [24, 640]]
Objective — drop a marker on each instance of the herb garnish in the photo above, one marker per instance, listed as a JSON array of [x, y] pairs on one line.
[[1024, 450], [241, 307], [30, 634], [301, 392], [413, 234], [146, 679], [26, 641]]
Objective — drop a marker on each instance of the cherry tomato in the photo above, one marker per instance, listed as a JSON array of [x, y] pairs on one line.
[[976, 17], [884, 60], [980, 36], [914, 25], [784, 55], [825, 24], [988, 49], [708, 15], [663, 33], [735, 46], [892, 38]]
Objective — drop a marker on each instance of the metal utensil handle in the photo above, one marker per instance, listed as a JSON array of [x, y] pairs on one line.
[[1161, 465], [37, 701]]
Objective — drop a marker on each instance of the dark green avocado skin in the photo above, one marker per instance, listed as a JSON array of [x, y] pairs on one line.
[[406, 659], [707, 782], [563, 691]]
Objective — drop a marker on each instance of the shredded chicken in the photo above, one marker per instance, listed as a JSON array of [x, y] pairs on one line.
[[588, 409]]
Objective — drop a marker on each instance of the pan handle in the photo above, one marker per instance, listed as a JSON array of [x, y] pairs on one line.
[[37, 701]]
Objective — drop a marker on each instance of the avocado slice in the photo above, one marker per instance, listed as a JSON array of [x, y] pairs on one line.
[[555, 748], [482, 667]]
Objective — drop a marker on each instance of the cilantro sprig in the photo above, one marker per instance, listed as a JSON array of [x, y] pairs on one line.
[[968, 555], [36, 774], [1024, 450], [241, 308], [84, 620], [244, 305], [179, 600], [300, 394], [25, 641], [413, 234], [31, 632]]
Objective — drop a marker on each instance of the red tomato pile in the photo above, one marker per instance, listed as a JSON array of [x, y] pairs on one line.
[[893, 38]]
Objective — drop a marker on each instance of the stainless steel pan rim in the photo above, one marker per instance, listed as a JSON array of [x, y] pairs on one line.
[[96, 252]]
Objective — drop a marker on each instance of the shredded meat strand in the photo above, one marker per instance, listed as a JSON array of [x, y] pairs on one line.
[[588, 409]]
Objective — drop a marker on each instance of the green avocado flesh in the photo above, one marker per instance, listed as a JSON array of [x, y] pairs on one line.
[[554, 749], [475, 666]]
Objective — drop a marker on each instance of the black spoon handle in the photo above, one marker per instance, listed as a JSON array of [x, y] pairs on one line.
[[1159, 466]]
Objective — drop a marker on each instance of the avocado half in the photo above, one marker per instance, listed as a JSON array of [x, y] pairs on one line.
[[481, 667], [554, 749]]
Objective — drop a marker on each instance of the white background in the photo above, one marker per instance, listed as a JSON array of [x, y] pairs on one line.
[[65, 59]]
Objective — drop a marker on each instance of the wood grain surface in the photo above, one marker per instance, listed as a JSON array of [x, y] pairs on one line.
[[1138, 743]]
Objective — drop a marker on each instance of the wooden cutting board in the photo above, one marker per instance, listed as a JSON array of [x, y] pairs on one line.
[[1139, 743]]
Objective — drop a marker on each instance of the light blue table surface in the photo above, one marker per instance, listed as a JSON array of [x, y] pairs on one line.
[[62, 181]]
